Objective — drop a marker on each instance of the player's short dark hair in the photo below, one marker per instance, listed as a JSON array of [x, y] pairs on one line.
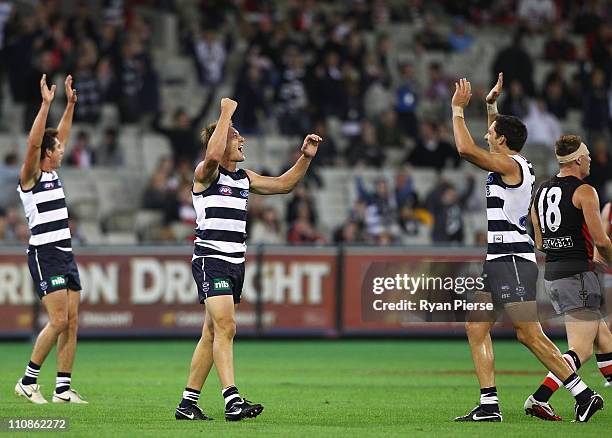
[[513, 129], [567, 144], [48, 142], [207, 133]]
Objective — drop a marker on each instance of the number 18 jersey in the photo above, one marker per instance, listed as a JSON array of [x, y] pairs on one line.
[[565, 236]]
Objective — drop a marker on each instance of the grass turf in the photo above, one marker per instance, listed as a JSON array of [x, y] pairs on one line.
[[308, 388]]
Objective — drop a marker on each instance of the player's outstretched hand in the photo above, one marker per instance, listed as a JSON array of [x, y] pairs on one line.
[[496, 90], [311, 145], [228, 105], [46, 92], [463, 93], [71, 94]]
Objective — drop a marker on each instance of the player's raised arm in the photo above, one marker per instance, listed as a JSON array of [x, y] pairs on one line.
[[585, 197], [491, 99], [65, 124], [464, 142], [31, 166], [266, 185], [207, 170]]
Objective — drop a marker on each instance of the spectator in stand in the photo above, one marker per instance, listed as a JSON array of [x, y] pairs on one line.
[[250, 90], [136, 89], [160, 194], [186, 213], [76, 233], [9, 177], [388, 133], [601, 169], [431, 150], [404, 188], [108, 153], [268, 229], [6, 14], [556, 99], [595, 104], [184, 133], [366, 150], [349, 233], [559, 47], [301, 196], [446, 206], [89, 108], [543, 127], [599, 45], [330, 85], [41, 64], [438, 91], [81, 152], [407, 99], [458, 39], [516, 102], [327, 155], [516, 64], [381, 207], [303, 230], [291, 97], [430, 37], [408, 221], [210, 56], [536, 14]]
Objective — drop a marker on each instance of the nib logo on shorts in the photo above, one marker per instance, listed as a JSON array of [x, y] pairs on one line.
[[58, 280], [221, 284]]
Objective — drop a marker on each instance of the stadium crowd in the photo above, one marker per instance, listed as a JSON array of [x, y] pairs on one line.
[[309, 65]]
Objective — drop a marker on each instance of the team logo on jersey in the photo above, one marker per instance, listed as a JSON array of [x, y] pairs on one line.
[[225, 190], [244, 193], [523, 221], [48, 185], [221, 284], [43, 285]]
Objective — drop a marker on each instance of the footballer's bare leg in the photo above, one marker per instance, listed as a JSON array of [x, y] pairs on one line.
[[604, 352], [202, 360], [201, 364], [524, 316], [529, 333], [66, 349], [56, 304], [67, 340], [221, 311], [582, 327], [478, 330]]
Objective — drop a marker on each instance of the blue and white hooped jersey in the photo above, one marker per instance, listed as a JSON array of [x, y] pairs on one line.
[[46, 212], [221, 217], [507, 210]]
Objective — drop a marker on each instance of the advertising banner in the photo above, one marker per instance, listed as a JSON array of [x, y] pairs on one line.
[[151, 292]]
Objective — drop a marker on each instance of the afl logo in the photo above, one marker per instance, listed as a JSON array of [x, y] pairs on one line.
[[225, 190], [244, 193], [490, 178], [48, 185]]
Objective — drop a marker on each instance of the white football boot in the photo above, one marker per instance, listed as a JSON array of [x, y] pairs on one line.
[[70, 396], [30, 392]]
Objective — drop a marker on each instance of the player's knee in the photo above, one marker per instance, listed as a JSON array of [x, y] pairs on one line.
[[225, 327], [528, 335], [58, 323], [584, 352], [73, 322], [475, 331]]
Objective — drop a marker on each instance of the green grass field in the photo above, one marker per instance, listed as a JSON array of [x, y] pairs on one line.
[[308, 388]]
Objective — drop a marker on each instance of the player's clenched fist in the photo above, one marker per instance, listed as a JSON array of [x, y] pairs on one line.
[[229, 105], [310, 145]]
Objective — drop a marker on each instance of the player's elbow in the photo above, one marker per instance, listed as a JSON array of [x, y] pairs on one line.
[[464, 151]]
